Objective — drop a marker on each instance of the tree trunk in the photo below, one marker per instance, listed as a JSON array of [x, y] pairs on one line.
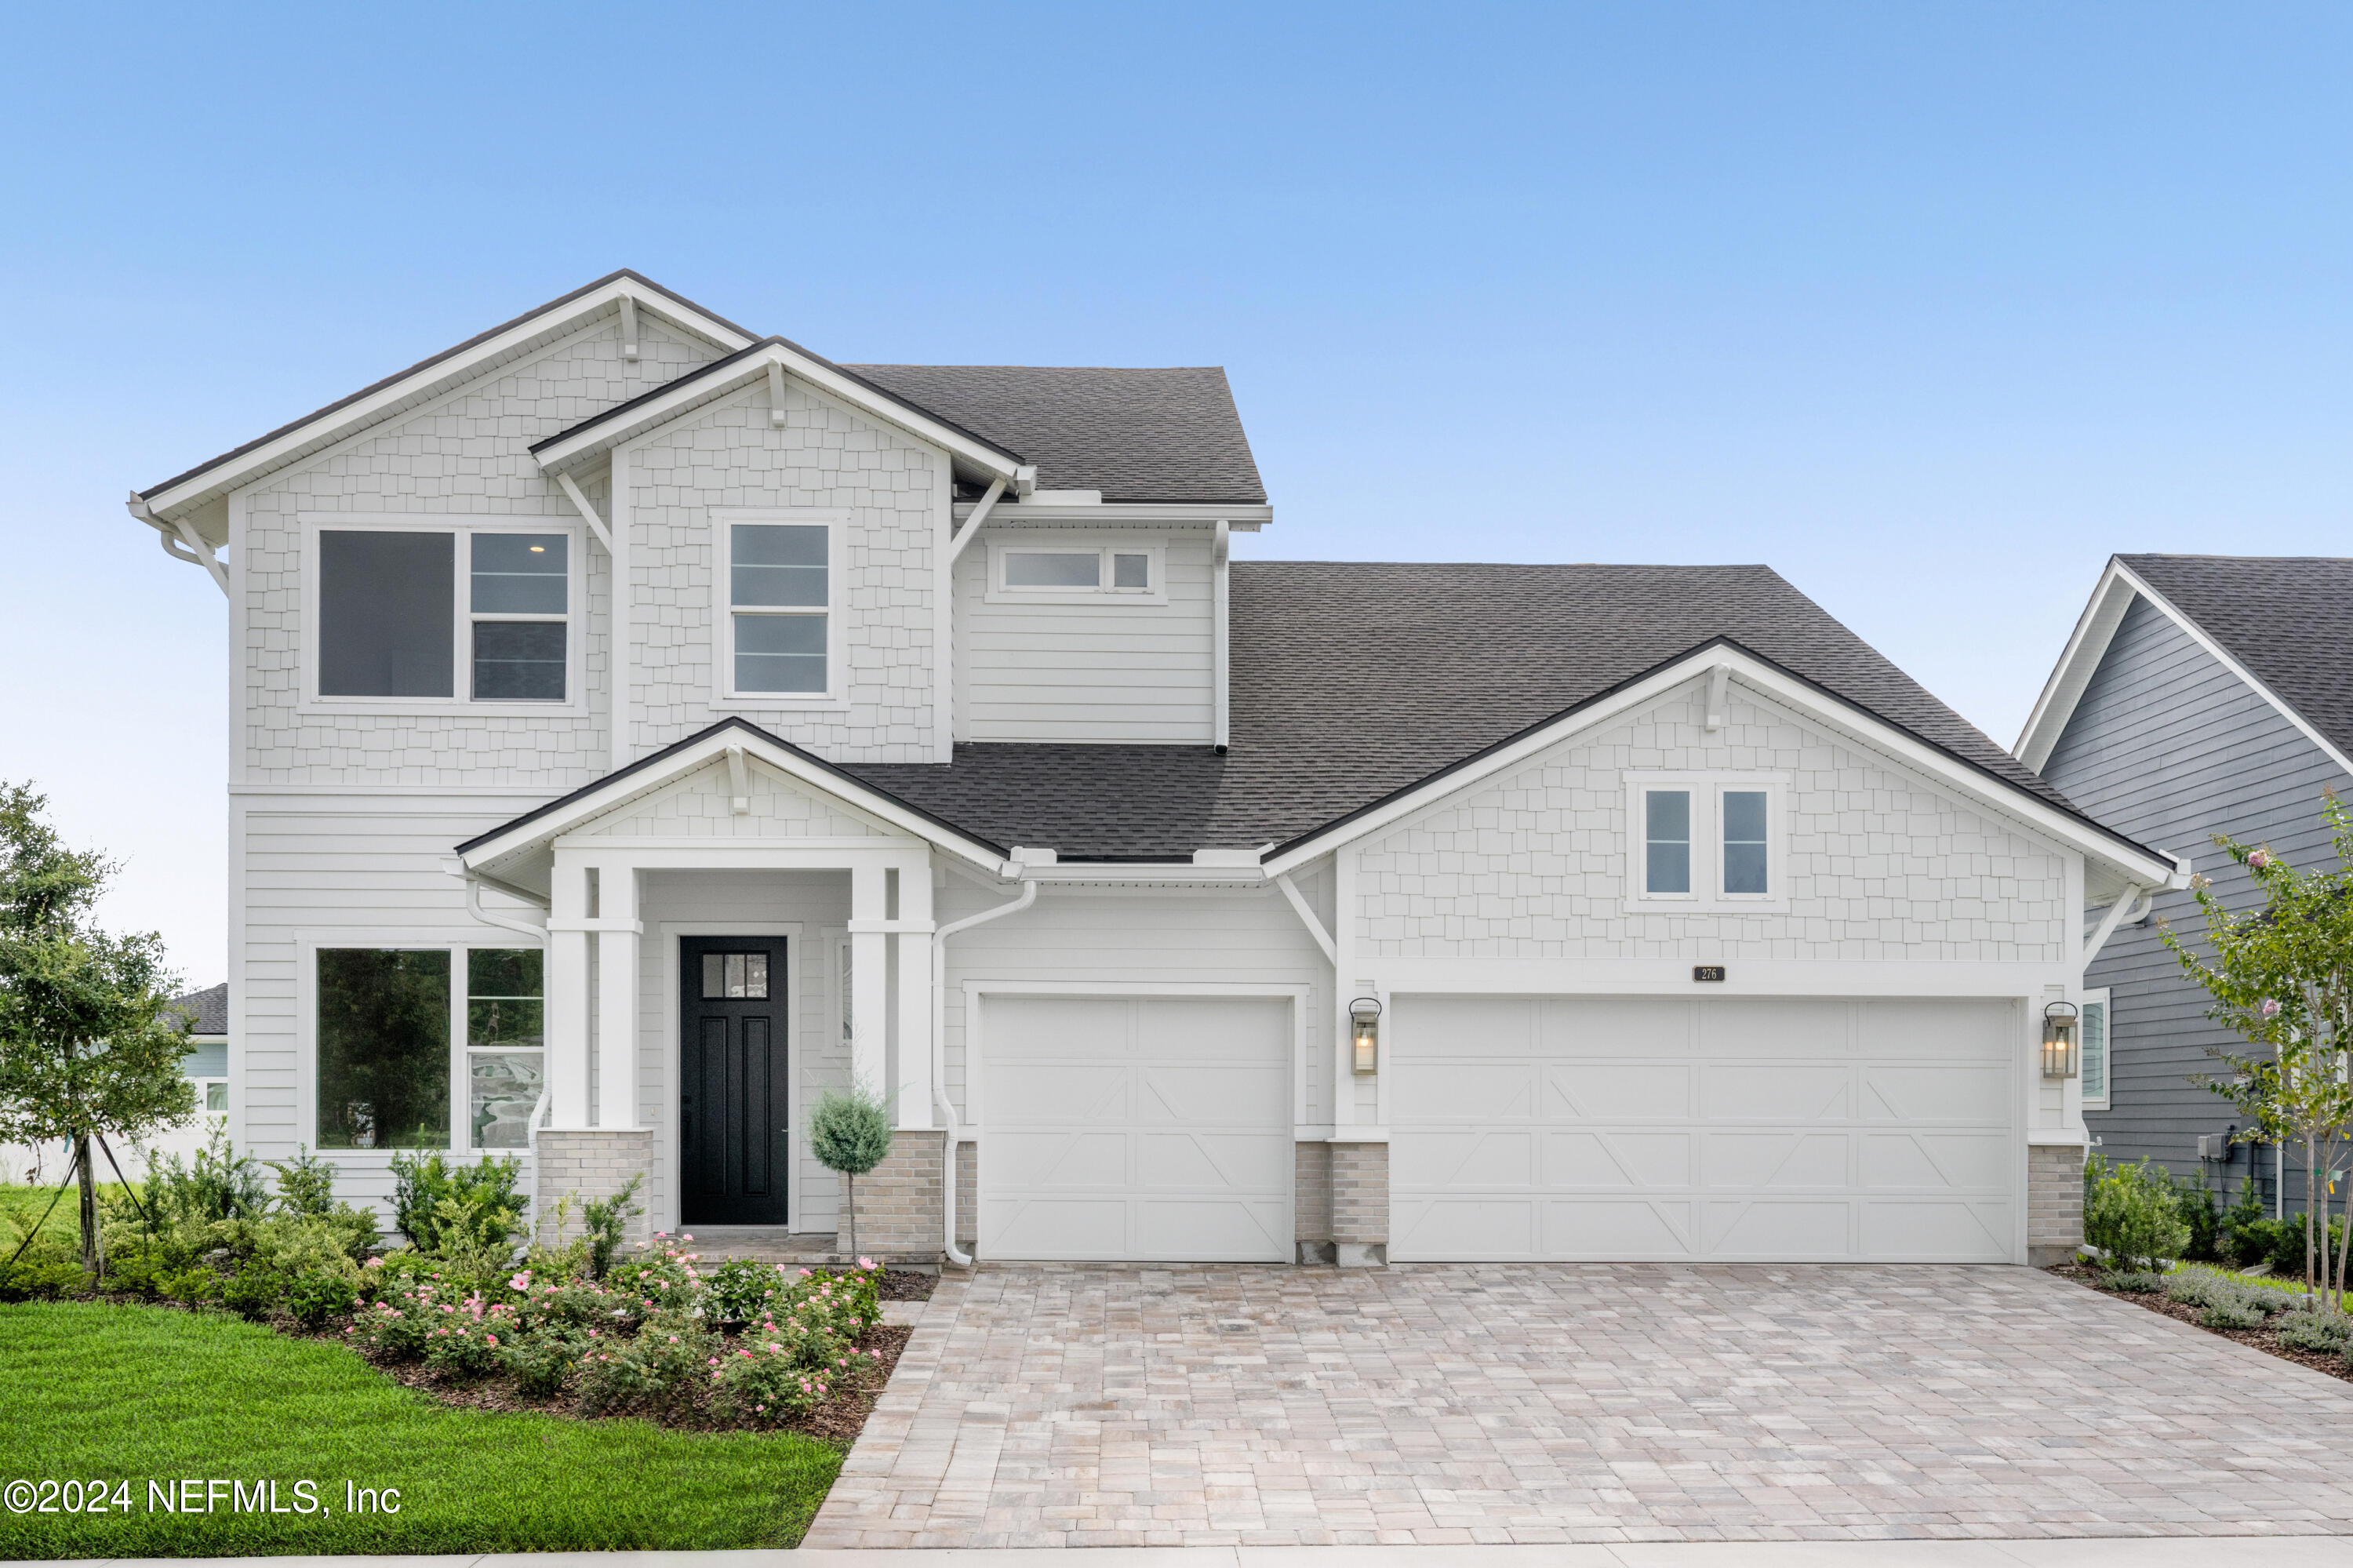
[[91, 1259], [2308, 1175], [851, 1182]]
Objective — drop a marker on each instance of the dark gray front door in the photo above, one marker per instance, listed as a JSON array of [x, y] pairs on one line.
[[736, 1111]]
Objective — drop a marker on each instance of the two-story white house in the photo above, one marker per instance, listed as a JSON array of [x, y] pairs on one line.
[[641, 725]]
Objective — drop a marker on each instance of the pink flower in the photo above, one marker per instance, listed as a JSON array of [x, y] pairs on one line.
[[490, 1339], [865, 1262], [374, 1263], [2258, 859], [2270, 1008], [520, 1281]]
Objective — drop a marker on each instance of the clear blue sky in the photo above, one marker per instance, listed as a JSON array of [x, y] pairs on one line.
[[1930, 307]]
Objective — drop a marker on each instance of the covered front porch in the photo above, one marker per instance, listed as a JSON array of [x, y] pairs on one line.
[[727, 938]]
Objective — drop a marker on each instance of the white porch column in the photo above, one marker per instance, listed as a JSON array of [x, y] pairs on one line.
[[915, 1044], [870, 989], [567, 996], [616, 998]]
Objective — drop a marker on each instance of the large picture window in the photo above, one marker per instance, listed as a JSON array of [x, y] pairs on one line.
[[384, 1048], [388, 1074], [778, 616], [477, 612]]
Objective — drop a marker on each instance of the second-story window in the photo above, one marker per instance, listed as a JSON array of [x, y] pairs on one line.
[[1046, 570], [474, 612], [779, 604]]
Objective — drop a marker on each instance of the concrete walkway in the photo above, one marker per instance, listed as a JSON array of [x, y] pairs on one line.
[[2204, 1552], [1620, 1403]]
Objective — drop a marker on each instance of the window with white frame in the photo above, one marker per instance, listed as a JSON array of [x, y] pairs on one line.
[[1052, 569], [474, 612], [405, 1034], [779, 611], [2096, 1054], [1711, 841]]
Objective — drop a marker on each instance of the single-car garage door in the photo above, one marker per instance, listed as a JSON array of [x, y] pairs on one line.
[[1152, 1128], [1737, 1129]]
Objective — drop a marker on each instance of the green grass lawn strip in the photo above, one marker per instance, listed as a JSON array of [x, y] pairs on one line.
[[139, 1394]]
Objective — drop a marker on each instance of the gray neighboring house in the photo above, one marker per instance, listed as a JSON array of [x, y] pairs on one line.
[[205, 1065], [2199, 695]]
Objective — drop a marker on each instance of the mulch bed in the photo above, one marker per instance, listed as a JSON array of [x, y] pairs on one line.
[[2264, 1340], [908, 1285]]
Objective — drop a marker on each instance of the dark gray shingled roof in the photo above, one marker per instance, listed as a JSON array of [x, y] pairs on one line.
[[1353, 681], [1136, 435], [2288, 618], [208, 1010]]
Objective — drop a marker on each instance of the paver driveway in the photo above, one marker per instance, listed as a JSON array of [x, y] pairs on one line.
[[1093, 1406]]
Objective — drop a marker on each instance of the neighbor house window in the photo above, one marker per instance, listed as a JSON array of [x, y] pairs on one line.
[[216, 1094], [780, 579], [474, 612], [384, 1048], [505, 1045], [2096, 1054], [1055, 570], [387, 1077], [1702, 842]]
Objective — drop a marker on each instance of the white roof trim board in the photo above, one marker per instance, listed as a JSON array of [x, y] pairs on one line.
[[2094, 630], [429, 378]]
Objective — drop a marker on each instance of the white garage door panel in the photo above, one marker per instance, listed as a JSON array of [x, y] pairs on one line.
[[1740, 1129], [1135, 1128]]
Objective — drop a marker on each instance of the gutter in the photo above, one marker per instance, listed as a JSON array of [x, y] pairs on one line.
[[940, 1055]]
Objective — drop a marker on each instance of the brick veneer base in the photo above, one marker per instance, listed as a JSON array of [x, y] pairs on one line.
[[2054, 1203], [899, 1201], [582, 1163], [1360, 1203]]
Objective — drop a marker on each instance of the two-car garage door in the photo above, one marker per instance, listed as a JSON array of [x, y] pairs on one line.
[[1739, 1130]]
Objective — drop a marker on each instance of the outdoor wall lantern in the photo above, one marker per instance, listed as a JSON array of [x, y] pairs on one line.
[[2060, 1058], [1365, 1031]]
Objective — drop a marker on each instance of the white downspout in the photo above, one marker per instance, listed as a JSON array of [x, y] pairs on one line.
[[940, 1051], [504, 922], [1221, 553]]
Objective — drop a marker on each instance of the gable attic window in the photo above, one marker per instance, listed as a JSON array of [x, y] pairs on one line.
[[1705, 843], [779, 613], [409, 617]]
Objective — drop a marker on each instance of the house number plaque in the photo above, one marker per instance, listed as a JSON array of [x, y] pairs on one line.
[[1708, 971]]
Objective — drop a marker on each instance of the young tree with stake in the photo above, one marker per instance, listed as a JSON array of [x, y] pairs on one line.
[[850, 1132], [89, 1044], [2281, 977]]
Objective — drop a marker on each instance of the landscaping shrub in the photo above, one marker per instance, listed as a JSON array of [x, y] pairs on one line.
[[542, 1359], [314, 1296], [2130, 1213], [464, 1347], [473, 1209], [2327, 1331], [2225, 1304], [191, 1286], [254, 1290], [741, 1289], [220, 1184], [306, 1183], [663, 1367], [2233, 1243], [41, 1275], [761, 1383], [665, 1277], [2194, 1201], [607, 1219], [2125, 1280]]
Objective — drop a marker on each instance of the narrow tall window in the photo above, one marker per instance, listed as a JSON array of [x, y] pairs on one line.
[[1745, 868], [778, 593], [505, 1043], [385, 613], [1666, 834], [384, 1048], [521, 594], [2096, 1050]]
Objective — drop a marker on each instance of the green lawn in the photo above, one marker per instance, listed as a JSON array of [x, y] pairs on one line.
[[25, 1205], [142, 1394]]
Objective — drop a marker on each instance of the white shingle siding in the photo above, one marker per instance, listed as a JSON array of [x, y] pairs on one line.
[[467, 454], [731, 455], [1881, 865]]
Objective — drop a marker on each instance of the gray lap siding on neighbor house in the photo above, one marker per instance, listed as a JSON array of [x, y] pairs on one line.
[[2169, 746]]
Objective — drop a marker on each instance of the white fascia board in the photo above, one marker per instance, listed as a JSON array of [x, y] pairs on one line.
[[2094, 630], [1157, 873], [1885, 738], [333, 424], [539, 833], [1125, 513], [693, 391]]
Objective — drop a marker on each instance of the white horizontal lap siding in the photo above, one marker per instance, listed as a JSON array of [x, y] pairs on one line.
[[1194, 941], [465, 454], [317, 867], [710, 902], [1091, 669]]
